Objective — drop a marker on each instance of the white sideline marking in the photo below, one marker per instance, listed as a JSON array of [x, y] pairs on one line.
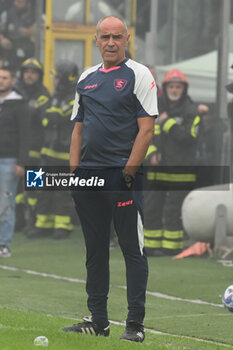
[[170, 297], [176, 335], [194, 301], [2, 326], [76, 280], [42, 274], [153, 331]]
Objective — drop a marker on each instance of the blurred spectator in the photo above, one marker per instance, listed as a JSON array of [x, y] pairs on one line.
[[229, 88], [5, 4], [14, 125], [17, 32], [174, 151], [30, 86], [207, 138], [118, 5], [54, 208]]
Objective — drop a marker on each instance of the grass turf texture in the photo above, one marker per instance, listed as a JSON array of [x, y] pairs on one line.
[[44, 303]]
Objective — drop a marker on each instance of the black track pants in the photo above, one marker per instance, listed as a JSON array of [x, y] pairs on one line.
[[96, 209]]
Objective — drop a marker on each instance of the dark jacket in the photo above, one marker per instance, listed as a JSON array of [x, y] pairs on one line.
[[14, 128], [57, 125], [177, 139], [38, 99]]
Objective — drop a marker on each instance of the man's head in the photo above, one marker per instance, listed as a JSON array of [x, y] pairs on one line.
[[174, 90], [20, 4], [31, 71], [175, 85], [7, 80], [65, 74], [112, 39], [152, 70]]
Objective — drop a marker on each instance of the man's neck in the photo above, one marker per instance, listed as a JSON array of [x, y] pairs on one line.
[[5, 93], [110, 65]]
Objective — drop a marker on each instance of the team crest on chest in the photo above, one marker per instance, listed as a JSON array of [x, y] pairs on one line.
[[119, 84]]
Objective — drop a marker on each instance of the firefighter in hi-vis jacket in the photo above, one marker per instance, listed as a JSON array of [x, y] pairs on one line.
[[54, 208], [31, 87], [170, 173]]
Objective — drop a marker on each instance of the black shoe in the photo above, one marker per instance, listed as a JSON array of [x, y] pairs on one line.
[[171, 252], [60, 233], [88, 327], [37, 232], [157, 252], [134, 332]]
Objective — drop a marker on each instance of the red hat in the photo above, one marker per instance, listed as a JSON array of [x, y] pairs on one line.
[[175, 75]]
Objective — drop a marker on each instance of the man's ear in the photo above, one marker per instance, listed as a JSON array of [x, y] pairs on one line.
[[127, 42], [96, 40]]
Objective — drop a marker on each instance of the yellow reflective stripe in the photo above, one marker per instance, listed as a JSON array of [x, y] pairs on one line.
[[63, 222], [150, 175], [67, 113], [168, 124], [20, 198], [153, 233], [172, 245], [51, 153], [44, 221], [152, 243], [63, 219], [176, 177], [194, 126], [34, 61], [62, 111], [171, 177], [41, 101], [34, 154], [68, 227], [32, 201], [156, 129], [45, 122], [173, 234], [151, 149], [54, 109], [67, 109]]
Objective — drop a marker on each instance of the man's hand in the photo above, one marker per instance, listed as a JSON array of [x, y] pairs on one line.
[[19, 170], [203, 108], [162, 117], [5, 43], [154, 160]]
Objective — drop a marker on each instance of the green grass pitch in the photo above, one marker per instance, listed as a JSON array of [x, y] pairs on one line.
[[42, 289]]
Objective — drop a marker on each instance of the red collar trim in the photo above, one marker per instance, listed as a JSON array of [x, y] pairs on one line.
[[109, 70]]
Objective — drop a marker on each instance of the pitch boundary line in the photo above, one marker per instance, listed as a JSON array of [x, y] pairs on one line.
[[76, 280], [153, 331], [116, 323]]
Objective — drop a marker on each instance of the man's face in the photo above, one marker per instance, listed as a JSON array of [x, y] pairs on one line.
[[6, 81], [174, 90], [20, 4], [112, 39], [30, 76]]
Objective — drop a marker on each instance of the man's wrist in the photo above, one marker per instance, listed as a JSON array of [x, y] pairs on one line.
[[128, 178]]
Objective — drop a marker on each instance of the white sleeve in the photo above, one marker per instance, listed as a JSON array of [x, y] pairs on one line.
[[145, 88], [146, 91], [75, 106]]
